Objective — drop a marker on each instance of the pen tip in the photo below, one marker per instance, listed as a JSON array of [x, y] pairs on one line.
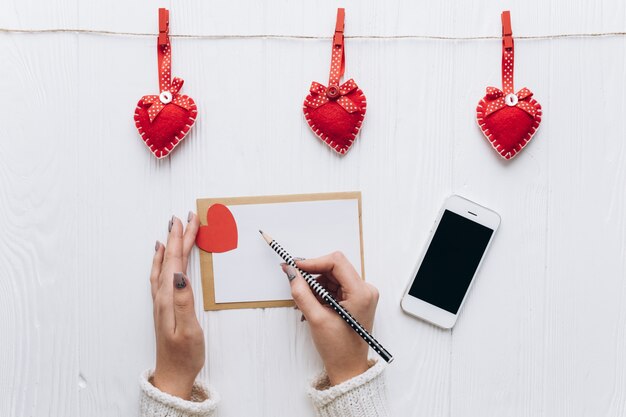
[[265, 236]]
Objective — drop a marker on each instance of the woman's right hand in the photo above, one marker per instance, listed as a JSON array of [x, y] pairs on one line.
[[343, 351]]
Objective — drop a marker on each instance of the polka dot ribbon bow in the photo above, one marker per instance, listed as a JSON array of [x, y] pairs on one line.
[[164, 120], [169, 94], [335, 113], [321, 95], [508, 119], [498, 100]]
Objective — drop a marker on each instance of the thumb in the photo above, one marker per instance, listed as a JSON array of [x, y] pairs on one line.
[[184, 312], [303, 295]]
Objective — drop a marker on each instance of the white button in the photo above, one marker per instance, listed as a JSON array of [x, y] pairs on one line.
[[510, 99], [166, 97]]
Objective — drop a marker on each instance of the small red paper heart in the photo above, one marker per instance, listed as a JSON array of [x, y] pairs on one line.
[[333, 124], [509, 129], [220, 233], [169, 127]]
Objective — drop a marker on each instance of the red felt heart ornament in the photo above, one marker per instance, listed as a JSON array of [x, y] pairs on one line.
[[168, 129], [508, 119], [164, 120], [335, 113], [220, 233]]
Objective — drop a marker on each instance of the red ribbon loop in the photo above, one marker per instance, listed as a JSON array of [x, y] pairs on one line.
[[508, 53], [319, 96], [177, 84], [166, 84], [338, 57], [497, 100], [494, 93]]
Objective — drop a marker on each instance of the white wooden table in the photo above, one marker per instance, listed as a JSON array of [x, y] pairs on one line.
[[82, 201]]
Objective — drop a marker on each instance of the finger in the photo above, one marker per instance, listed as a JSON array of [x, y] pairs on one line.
[[303, 295], [335, 265], [328, 282], [184, 312], [157, 260], [330, 285], [173, 260], [189, 237]]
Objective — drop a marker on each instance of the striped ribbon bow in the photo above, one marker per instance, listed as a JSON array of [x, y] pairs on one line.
[[321, 95], [498, 100]]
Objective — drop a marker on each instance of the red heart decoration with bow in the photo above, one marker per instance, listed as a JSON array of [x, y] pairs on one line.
[[335, 121], [162, 134], [220, 233], [335, 113], [164, 120], [507, 126], [507, 119]]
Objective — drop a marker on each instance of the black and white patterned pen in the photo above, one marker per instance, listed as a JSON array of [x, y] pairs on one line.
[[325, 295]]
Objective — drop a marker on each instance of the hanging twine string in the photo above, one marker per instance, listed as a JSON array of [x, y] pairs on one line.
[[307, 37]]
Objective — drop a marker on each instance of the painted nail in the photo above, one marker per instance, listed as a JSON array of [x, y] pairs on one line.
[[170, 224], [157, 246], [189, 216], [289, 270], [302, 318], [179, 280]]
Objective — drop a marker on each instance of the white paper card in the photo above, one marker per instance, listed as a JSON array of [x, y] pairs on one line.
[[305, 229]]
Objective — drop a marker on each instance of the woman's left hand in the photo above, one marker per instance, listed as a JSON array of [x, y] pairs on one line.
[[179, 337]]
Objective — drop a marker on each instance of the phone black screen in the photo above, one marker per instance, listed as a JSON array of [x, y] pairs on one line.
[[450, 262]]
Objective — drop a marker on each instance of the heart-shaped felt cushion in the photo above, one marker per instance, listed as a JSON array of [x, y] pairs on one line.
[[510, 128], [220, 233], [333, 124], [169, 127]]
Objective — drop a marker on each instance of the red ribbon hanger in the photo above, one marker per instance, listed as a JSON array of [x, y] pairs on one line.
[[321, 94], [507, 96], [338, 58], [168, 88]]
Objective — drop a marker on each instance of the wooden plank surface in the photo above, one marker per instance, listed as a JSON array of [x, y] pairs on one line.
[[39, 368], [82, 201]]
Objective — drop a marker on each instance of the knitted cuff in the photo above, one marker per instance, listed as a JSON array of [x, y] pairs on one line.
[[155, 403], [364, 395]]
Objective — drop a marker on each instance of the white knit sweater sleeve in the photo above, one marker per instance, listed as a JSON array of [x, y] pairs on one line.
[[155, 403], [364, 395]]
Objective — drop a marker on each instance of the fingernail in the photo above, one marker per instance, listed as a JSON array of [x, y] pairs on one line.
[[179, 280], [170, 224], [289, 270], [299, 259], [157, 246], [189, 216], [302, 318]]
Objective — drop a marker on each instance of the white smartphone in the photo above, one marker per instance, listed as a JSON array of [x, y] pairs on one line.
[[446, 269]]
